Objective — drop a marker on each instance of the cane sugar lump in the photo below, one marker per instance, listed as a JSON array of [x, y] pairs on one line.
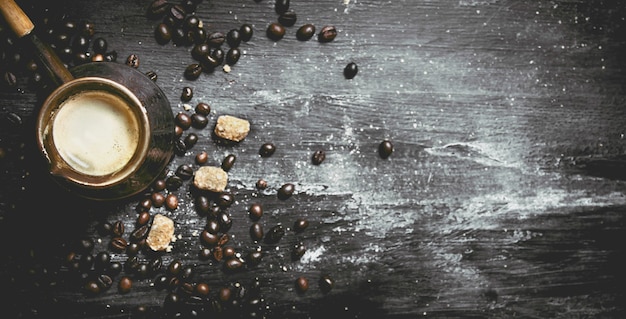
[[232, 128], [161, 233], [211, 178]]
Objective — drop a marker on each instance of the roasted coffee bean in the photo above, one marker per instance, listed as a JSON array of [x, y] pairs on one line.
[[184, 171], [233, 38], [171, 201], [275, 31], [186, 288], [118, 244], [208, 238], [163, 33], [200, 50], [131, 264], [139, 233], [212, 226], [327, 34], [133, 249], [267, 149], [205, 253], [203, 109], [159, 185], [209, 63], [225, 199], [225, 222], [105, 228], [302, 284], [350, 70], [87, 29], [305, 32], [233, 264], [261, 184], [142, 271], [173, 183], [157, 9], [133, 61], [318, 157], [190, 5], [158, 200], [287, 18], [256, 231], [246, 31], [152, 76], [218, 55], [118, 228], [385, 148], [86, 261], [80, 43], [124, 285], [183, 120], [198, 35], [144, 217], [100, 45], [91, 287], [104, 282], [281, 6], [326, 283], [274, 235], [187, 273], [300, 225], [217, 253], [115, 268], [193, 71], [180, 148], [228, 162], [285, 191], [202, 289], [187, 94], [155, 264], [233, 55], [110, 56], [190, 140], [191, 22], [229, 252], [202, 204], [255, 211], [215, 39], [161, 281], [297, 251], [174, 267], [199, 121], [254, 258], [177, 13]]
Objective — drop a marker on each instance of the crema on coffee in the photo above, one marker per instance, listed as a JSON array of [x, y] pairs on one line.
[[95, 132]]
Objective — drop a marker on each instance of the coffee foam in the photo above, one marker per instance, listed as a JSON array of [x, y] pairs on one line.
[[95, 132]]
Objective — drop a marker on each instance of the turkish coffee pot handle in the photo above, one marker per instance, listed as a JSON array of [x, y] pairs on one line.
[[23, 28]]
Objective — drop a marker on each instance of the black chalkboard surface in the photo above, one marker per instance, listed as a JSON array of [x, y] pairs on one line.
[[503, 195]]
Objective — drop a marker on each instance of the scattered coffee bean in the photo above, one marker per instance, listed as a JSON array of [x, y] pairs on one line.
[[285, 191], [118, 228], [104, 282], [158, 199], [385, 148], [261, 184], [171, 201], [246, 31], [326, 283], [297, 251], [152, 75], [267, 150], [233, 264], [287, 18], [184, 171], [133, 61], [233, 38], [225, 222], [202, 289], [350, 70], [193, 71], [202, 158], [199, 121], [118, 244], [190, 140], [254, 258], [203, 109], [216, 39], [327, 34], [281, 6], [318, 157], [228, 162], [305, 32], [212, 226], [275, 31], [233, 55], [225, 199], [183, 120], [255, 211], [157, 9], [300, 225], [302, 284], [187, 94], [92, 288], [256, 231], [100, 45], [173, 183], [125, 284]]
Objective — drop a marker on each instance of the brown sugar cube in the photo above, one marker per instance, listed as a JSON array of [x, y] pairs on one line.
[[211, 178], [232, 128], [161, 233]]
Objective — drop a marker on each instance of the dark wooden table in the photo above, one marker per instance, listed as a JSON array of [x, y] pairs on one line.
[[504, 196]]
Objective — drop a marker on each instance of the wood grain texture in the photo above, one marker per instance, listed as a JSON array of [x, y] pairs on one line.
[[504, 196]]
